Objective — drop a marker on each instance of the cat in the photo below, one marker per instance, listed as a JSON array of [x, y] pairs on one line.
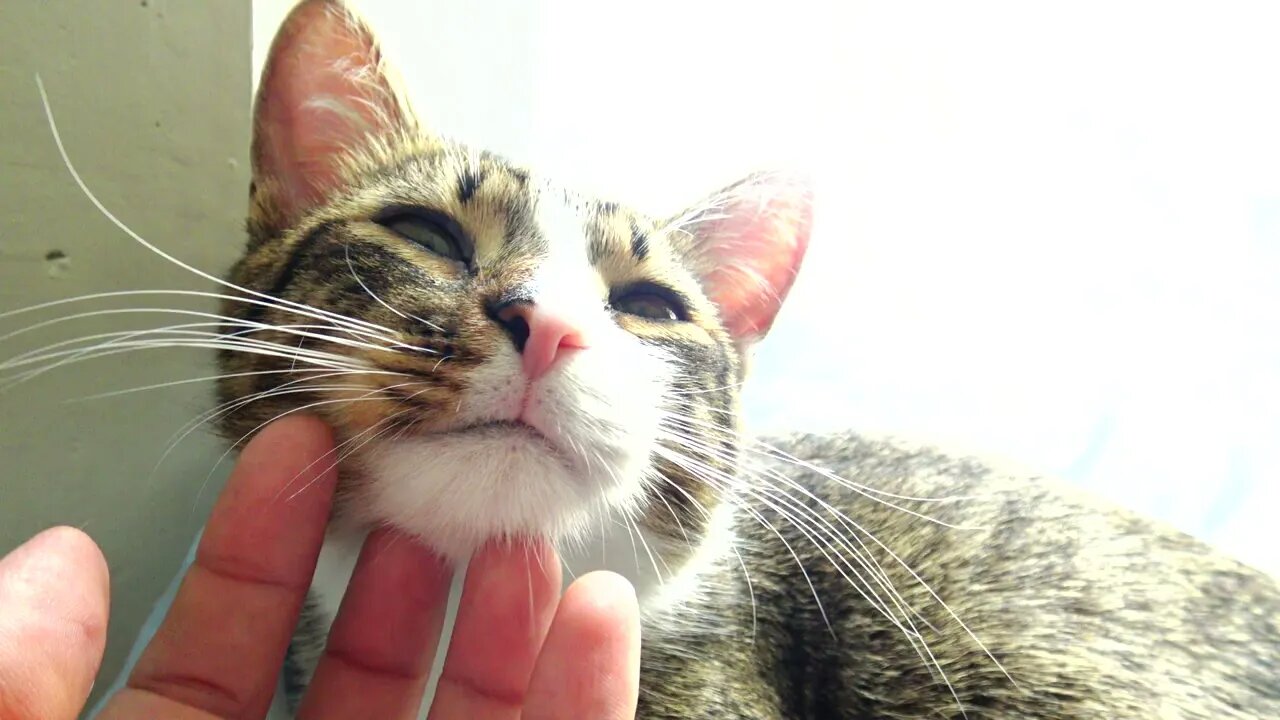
[[500, 356]]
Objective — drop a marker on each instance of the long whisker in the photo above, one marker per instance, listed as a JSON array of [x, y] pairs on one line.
[[391, 342], [320, 403], [337, 450], [678, 460], [212, 378], [858, 529], [115, 348], [818, 528], [909, 631], [301, 331], [235, 404], [388, 421], [706, 514], [864, 556], [84, 188], [649, 551], [708, 473], [878, 573], [183, 311], [864, 490], [346, 251]]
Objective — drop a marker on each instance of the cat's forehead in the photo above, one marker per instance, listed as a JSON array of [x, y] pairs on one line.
[[509, 211]]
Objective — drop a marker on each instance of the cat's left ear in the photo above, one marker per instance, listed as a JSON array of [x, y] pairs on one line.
[[325, 92], [747, 245]]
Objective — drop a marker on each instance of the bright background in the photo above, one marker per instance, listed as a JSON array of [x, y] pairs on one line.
[[1047, 231]]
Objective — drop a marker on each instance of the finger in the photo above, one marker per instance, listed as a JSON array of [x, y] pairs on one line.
[[508, 598], [53, 625], [590, 662], [380, 647], [220, 648]]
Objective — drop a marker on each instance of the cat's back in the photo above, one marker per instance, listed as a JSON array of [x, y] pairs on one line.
[[927, 574]]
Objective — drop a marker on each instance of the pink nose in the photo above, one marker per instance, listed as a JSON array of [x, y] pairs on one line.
[[541, 336]]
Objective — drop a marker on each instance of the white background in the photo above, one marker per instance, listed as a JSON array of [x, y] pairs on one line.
[[1047, 231]]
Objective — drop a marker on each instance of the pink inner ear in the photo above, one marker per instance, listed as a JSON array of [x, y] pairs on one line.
[[754, 254], [323, 93]]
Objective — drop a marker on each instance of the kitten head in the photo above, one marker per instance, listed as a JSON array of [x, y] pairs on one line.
[[497, 355]]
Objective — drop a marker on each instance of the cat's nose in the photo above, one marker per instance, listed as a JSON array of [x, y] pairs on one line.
[[541, 336]]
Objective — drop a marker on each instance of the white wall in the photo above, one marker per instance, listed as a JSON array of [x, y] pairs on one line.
[[1049, 231]]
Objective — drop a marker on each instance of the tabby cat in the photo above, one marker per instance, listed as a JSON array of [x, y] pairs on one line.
[[501, 356]]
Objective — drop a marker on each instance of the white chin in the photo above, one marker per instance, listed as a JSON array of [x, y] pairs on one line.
[[456, 490]]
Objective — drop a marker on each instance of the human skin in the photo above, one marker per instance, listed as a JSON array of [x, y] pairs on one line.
[[519, 648]]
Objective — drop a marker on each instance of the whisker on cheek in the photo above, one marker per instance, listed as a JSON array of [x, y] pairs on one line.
[[84, 188], [346, 250], [367, 396], [224, 376], [230, 406], [389, 423]]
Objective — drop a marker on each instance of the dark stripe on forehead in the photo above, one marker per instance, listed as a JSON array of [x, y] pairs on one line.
[[297, 253], [608, 208], [596, 248], [468, 182], [520, 225], [639, 241]]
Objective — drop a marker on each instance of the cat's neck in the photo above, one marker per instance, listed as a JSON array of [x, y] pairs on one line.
[[662, 571], [661, 579]]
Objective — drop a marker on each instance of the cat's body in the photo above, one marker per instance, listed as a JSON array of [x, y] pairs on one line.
[[499, 357], [1092, 612]]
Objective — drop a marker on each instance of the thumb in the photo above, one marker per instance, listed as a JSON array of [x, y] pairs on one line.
[[53, 625]]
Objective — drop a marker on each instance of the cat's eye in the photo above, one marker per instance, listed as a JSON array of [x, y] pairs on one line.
[[429, 229], [649, 301]]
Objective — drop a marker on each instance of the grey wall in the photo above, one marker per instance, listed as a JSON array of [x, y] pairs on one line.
[[151, 97]]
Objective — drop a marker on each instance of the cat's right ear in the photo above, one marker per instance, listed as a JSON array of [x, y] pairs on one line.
[[746, 245], [324, 92]]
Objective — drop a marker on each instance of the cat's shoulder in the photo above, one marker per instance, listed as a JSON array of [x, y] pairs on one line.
[[909, 465], [916, 486]]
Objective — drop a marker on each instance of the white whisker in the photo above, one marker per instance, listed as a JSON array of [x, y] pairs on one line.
[[84, 188], [115, 348], [321, 403], [388, 421], [346, 251], [186, 329], [864, 490], [207, 378], [679, 459], [230, 406]]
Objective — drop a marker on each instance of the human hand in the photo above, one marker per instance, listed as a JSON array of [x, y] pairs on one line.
[[518, 650]]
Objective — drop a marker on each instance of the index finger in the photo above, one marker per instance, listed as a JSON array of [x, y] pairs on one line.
[[221, 647]]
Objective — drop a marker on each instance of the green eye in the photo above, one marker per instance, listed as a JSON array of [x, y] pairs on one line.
[[430, 230], [649, 301]]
